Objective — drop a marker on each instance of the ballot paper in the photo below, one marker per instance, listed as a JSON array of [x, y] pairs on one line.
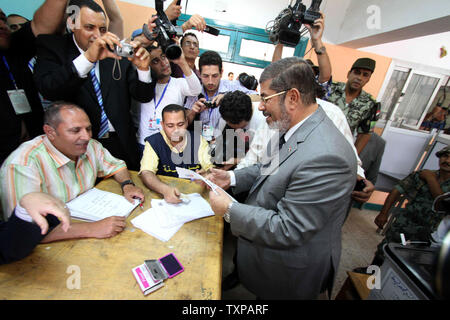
[[164, 219], [149, 222], [96, 204], [189, 174], [170, 215]]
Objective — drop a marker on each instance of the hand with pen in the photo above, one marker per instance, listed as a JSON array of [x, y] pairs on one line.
[[131, 193]]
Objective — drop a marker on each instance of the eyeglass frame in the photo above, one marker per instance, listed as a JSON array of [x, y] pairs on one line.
[[16, 25], [265, 99], [188, 44]]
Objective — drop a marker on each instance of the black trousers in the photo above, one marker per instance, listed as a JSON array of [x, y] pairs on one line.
[[18, 238]]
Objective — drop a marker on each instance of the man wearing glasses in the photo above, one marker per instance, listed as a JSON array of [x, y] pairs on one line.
[[190, 46], [214, 88], [15, 21], [289, 229]]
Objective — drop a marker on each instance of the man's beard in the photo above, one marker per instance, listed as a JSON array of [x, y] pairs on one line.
[[283, 124]]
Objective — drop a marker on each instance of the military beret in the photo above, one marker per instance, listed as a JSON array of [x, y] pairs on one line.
[[443, 151], [364, 63]]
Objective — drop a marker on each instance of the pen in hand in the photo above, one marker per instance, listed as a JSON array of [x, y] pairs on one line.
[[140, 203]]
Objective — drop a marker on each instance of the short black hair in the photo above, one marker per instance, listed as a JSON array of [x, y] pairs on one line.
[[210, 58], [91, 4], [13, 15], [236, 107], [173, 108], [187, 34]]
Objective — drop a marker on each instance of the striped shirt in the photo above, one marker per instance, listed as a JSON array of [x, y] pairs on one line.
[[37, 166]]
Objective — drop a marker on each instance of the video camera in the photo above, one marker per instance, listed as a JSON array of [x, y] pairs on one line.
[[166, 31], [286, 26]]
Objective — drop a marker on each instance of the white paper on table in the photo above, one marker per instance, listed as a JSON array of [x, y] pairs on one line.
[[148, 222], [96, 204], [170, 214]]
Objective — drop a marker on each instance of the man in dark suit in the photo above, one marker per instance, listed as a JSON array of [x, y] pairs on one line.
[[20, 123], [289, 229], [80, 68]]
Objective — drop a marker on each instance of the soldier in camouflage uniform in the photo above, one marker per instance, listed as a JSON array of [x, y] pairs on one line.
[[359, 107], [417, 221]]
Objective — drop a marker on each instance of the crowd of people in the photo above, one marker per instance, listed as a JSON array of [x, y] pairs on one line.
[[290, 152]]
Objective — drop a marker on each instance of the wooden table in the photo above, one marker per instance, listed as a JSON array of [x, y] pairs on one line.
[[354, 287], [105, 264]]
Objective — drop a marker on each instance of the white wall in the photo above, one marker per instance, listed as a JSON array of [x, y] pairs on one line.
[[422, 50], [393, 15], [254, 13]]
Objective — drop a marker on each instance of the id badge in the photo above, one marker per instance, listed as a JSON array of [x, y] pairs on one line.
[[208, 132], [154, 124], [19, 101]]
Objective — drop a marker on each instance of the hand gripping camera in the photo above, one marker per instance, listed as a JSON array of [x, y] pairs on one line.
[[126, 50], [286, 26], [166, 31]]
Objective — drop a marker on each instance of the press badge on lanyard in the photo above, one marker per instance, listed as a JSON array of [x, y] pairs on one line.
[[207, 130], [155, 123], [17, 96]]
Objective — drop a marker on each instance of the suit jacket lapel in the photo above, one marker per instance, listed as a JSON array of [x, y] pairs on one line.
[[293, 144]]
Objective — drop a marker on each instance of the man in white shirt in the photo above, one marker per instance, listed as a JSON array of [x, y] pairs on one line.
[[168, 90], [262, 135], [210, 65]]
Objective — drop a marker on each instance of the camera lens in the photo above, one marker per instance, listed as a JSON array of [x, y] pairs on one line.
[[173, 52]]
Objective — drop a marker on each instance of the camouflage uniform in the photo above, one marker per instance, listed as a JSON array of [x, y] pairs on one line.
[[417, 221], [362, 113]]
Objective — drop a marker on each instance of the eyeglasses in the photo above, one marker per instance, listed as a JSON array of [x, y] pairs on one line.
[[265, 99], [16, 26], [189, 44]]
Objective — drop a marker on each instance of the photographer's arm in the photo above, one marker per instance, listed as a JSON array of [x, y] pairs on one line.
[[48, 18], [278, 52], [173, 11], [316, 32], [114, 16], [196, 21]]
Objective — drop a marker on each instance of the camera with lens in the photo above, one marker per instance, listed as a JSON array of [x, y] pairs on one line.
[[286, 26], [210, 105], [126, 50], [164, 33], [248, 81]]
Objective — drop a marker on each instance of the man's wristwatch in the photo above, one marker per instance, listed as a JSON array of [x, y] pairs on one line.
[[124, 183], [226, 216], [320, 51]]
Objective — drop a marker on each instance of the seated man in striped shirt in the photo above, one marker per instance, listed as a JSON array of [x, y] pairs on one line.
[[172, 147], [65, 162]]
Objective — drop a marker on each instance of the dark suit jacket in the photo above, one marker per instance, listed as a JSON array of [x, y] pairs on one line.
[[289, 228], [57, 79], [18, 238]]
